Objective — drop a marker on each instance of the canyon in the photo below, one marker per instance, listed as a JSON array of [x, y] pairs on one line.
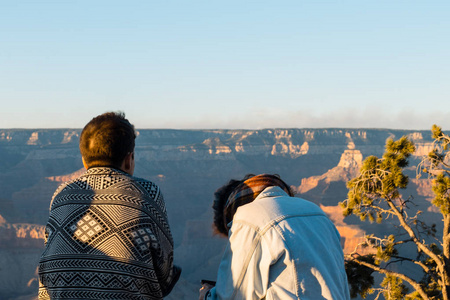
[[188, 165]]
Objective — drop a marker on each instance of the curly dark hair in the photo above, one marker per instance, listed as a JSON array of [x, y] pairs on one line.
[[106, 140], [220, 198]]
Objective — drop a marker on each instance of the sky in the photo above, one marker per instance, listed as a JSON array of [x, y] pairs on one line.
[[226, 64]]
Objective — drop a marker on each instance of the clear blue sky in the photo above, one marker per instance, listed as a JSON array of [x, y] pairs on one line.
[[226, 64]]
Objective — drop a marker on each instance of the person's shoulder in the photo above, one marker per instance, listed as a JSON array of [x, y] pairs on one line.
[[299, 207], [152, 190], [267, 209], [144, 182], [149, 186], [307, 204], [71, 185]]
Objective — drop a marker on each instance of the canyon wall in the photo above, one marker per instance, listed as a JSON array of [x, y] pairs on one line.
[[188, 165]]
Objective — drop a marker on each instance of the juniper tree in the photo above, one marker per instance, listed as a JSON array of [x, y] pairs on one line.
[[375, 195]]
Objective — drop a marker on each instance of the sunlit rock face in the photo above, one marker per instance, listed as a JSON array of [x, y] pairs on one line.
[[188, 165], [351, 235], [347, 168], [21, 235]]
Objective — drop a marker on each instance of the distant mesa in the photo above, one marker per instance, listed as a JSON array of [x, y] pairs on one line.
[[33, 138], [215, 146], [351, 160], [69, 136], [290, 148]]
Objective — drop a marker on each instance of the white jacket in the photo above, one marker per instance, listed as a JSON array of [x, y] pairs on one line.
[[281, 247]]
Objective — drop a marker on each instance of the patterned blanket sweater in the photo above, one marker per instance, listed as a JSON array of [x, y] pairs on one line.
[[107, 237]]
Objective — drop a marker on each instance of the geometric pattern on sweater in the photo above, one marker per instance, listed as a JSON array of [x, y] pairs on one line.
[[94, 294], [85, 228], [107, 237], [100, 263], [114, 197]]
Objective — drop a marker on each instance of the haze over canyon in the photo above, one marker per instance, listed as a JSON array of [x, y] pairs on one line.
[[188, 165]]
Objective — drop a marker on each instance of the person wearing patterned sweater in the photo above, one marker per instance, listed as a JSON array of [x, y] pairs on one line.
[[108, 235]]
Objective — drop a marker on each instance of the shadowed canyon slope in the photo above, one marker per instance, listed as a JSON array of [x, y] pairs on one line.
[[188, 165]]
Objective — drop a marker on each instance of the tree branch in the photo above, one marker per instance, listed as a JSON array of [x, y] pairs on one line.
[[378, 269], [413, 236]]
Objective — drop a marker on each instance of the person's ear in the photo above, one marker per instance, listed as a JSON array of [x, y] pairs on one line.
[[84, 163], [128, 163]]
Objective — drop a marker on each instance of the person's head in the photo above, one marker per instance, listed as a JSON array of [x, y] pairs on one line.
[[108, 141], [240, 192]]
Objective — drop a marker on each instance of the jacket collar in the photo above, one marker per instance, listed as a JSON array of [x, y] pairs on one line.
[[272, 191]]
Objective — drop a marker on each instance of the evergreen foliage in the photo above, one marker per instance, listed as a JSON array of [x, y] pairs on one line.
[[375, 195]]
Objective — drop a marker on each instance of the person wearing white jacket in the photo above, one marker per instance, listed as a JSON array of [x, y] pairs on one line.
[[280, 246]]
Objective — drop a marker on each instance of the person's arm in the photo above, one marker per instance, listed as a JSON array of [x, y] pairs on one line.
[[168, 285], [244, 269], [167, 273]]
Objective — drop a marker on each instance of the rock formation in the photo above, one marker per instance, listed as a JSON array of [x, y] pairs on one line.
[[189, 165]]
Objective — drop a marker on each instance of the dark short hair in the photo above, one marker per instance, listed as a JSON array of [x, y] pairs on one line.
[[106, 140]]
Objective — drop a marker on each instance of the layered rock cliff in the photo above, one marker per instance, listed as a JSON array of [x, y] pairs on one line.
[[189, 165]]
